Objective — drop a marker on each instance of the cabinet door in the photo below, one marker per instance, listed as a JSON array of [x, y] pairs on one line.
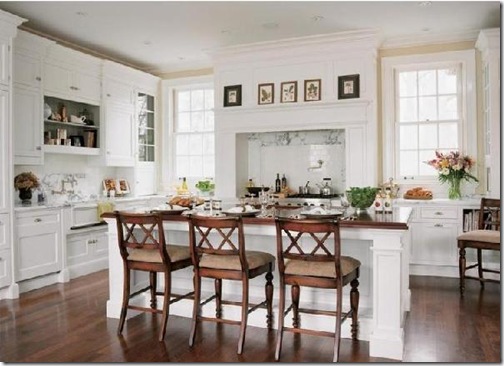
[[434, 243], [115, 91], [38, 245], [101, 245], [4, 61], [27, 70], [145, 179], [79, 249], [4, 231], [5, 186], [5, 268], [120, 134], [86, 87], [57, 80], [27, 125]]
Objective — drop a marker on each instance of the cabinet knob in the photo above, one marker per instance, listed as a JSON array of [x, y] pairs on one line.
[[108, 152], [439, 213], [38, 148], [1, 223], [438, 225], [38, 78], [108, 95], [37, 220]]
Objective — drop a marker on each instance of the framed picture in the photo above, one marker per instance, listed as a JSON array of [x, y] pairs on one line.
[[348, 86], [266, 93], [232, 95], [109, 184], [312, 90], [123, 186], [288, 92]]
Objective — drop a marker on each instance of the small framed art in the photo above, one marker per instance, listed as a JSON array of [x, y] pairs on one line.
[[312, 90], [288, 92], [266, 93], [232, 95], [348, 86]]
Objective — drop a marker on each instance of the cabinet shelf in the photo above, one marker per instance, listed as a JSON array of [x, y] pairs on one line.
[[75, 150], [82, 125]]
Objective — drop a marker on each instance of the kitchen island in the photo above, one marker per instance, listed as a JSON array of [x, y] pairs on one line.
[[380, 241]]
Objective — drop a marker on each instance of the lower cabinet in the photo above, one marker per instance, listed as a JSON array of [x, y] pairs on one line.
[[38, 243], [87, 252], [5, 268], [434, 243]]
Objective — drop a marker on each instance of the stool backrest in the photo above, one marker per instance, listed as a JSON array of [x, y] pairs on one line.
[[308, 240], [141, 232], [213, 235], [489, 214]]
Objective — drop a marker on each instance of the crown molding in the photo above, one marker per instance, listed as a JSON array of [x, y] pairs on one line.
[[428, 39], [488, 39]]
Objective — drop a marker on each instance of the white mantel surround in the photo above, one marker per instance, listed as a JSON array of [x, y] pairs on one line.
[[318, 57]]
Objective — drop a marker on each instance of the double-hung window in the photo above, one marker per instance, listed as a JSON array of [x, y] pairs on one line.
[[429, 105]]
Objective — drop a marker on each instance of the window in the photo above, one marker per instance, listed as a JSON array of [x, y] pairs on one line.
[[193, 127], [146, 134], [429, 104], [428, 117]]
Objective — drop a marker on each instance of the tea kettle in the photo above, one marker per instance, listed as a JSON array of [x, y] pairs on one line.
[[326, 190]]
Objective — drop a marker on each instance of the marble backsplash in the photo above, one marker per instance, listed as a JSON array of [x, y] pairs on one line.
[[301, 155]]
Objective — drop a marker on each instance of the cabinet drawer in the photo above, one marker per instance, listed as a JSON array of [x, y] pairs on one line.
[[84, 215], [40, 219], [439, 213], [5, 268], [4, 231]]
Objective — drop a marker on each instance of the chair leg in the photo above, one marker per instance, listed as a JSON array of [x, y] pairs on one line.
[[480, 269], [166, 304], [125, 302], [153, 289], [295, 293], [196, 308], [337, 331], [462, 269], [269, 299], [354, 305], [218, 297], [244, 315], [281, 316]]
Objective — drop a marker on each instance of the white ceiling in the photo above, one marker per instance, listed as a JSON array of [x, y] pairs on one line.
[[169, 36]]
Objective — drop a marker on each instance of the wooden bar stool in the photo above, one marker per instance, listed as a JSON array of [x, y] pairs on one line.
[[218, 257], [309, 261], [487, 237], [143, 248]]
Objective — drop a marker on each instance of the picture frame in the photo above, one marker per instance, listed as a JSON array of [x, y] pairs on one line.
[[288, 92], [266, 93], [232, 95], [123, 186], [348, 86], [312, 90]]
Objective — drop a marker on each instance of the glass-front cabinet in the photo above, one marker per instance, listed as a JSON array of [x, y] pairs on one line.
[[146, 129]]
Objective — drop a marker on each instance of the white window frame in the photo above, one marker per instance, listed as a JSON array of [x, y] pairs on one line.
[[169, 87], [468, 126]]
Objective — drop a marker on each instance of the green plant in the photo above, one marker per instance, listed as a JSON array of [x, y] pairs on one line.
[[361, 197], [205, 185]]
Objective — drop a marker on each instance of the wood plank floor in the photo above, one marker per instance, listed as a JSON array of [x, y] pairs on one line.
[[67, 323]]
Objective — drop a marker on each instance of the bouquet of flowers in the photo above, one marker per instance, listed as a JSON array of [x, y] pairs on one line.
[[26, 180], [453, 168]]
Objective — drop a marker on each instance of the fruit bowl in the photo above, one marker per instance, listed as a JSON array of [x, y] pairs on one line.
[[361, 197], [255, 190]]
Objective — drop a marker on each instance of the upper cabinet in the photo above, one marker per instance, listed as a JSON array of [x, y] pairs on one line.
[[72, 75]]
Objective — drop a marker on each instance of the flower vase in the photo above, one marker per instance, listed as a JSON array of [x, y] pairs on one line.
[[25, 194], [454, 189]]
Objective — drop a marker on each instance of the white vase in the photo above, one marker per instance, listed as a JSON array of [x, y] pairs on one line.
[[47, 111]]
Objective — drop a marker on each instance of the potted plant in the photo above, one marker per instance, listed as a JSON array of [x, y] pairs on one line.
[[24, 183]]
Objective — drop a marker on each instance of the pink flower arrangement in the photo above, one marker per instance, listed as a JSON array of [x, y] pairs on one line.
[[453, 166]]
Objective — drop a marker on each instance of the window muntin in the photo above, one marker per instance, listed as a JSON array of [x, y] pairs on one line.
[[428, 117]]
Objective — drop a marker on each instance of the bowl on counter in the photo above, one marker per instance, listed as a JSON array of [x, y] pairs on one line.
[[255, 190], [361, 197]]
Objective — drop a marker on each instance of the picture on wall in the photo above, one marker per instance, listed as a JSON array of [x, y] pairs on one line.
[[232, 96], [288, 92], [312, 90], [266, 93], [348, 86]]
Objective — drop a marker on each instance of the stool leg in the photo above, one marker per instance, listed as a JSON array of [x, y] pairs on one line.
[[269, 299], [462, 268], [281, 316], [480, 269], [244, 315], [354, 305], [153, 289], [196, 308], [295, 293], [218, 297], [337, 331], [166, 305], [125, 302]]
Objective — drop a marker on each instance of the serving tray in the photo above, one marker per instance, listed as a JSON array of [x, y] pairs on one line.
[[407, 197]]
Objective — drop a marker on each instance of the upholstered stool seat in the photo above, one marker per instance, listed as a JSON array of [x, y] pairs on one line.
[[484, 236], [175, 252], [320, 269], [232, 262]]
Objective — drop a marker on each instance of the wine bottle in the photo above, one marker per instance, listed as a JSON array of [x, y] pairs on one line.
[[277, 184], [284, 181]]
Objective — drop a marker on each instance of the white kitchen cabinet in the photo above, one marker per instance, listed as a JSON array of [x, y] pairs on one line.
[[119, 134], [27, 69], [38, 248], [87, 251], [4, 231], [5, 60], [5, 156], [435, 243], [117, 91], [5, 268], [27, 118]]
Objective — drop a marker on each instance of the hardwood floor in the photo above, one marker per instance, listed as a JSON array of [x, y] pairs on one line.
[[67, 323]]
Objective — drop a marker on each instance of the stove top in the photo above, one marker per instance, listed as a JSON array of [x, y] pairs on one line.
[[313, 195]]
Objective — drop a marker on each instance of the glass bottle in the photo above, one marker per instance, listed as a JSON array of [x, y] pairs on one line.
[[284, 181], [278, 184]]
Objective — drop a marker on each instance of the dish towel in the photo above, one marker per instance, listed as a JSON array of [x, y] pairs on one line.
[[104, 207]]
